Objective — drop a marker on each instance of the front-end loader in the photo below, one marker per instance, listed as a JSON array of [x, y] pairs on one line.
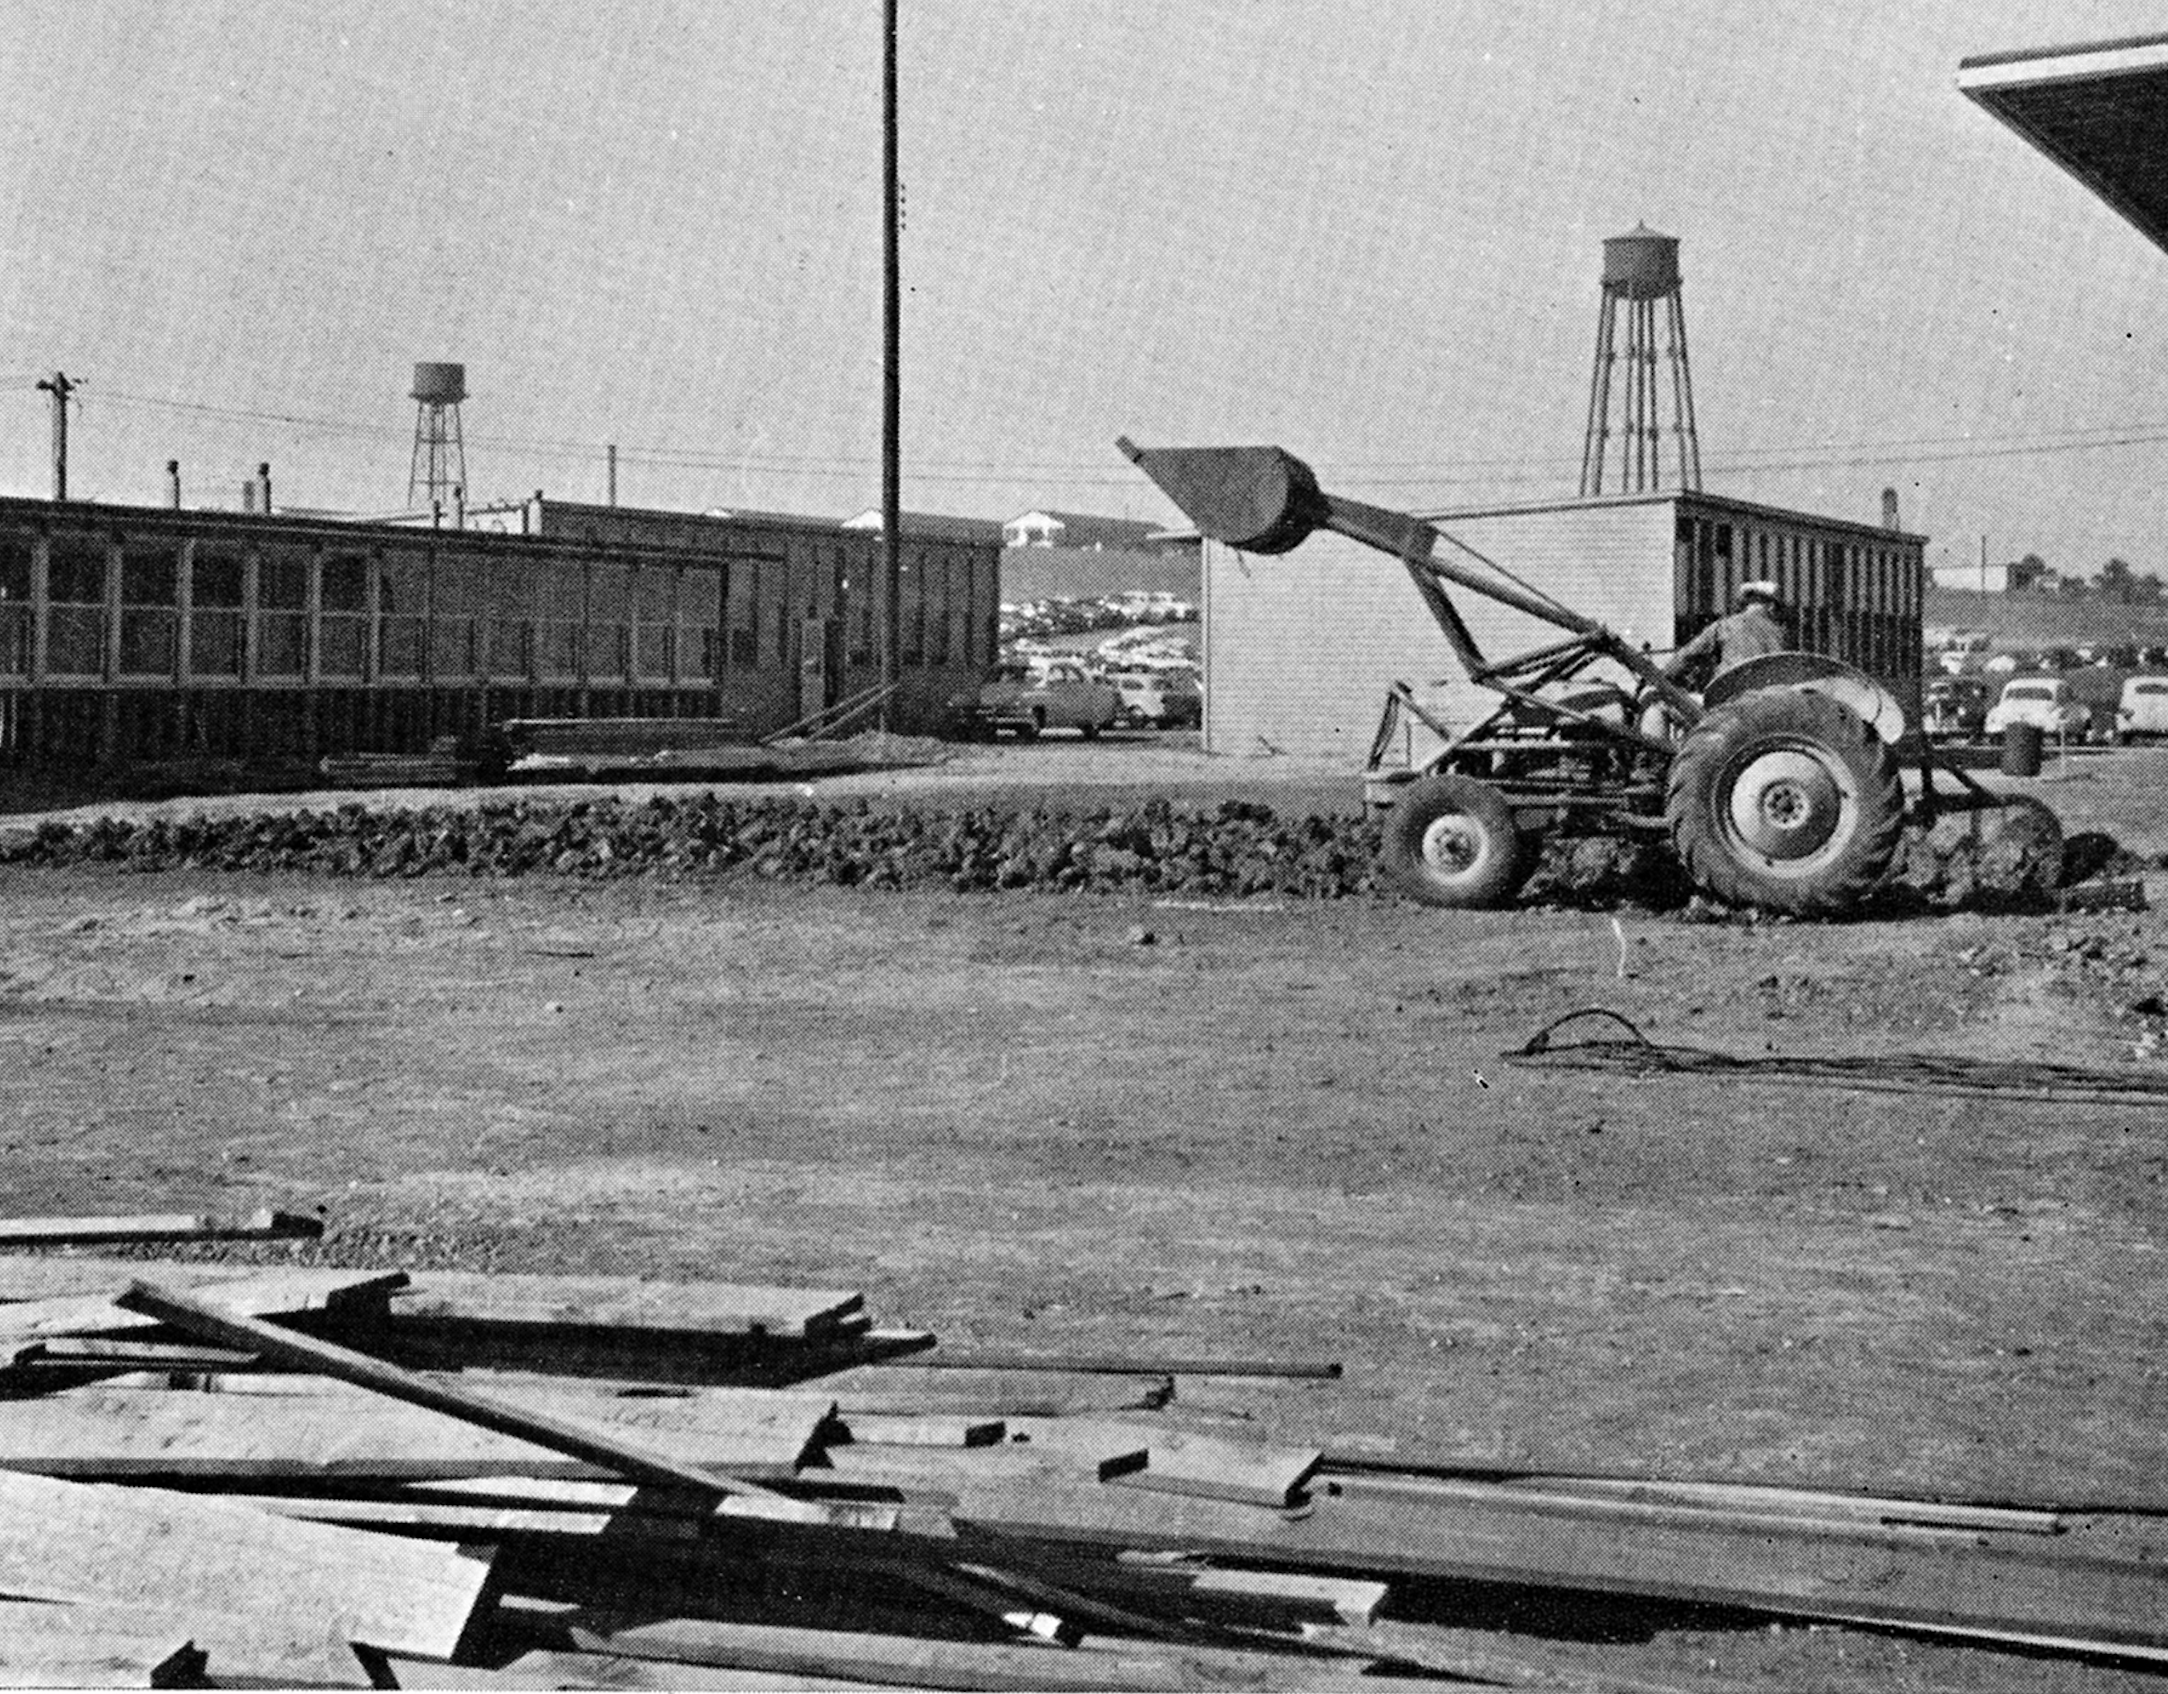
[[1778, 787]]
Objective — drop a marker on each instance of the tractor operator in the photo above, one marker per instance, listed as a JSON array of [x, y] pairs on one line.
[[1749, 633]]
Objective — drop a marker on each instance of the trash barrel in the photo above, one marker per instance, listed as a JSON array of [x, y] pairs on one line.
[[2021, 746]]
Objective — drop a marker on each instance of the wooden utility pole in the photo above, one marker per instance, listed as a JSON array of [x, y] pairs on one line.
[[891, 380], [59, 387]]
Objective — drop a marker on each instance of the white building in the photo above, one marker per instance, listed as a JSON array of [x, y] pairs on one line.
[[1301, 649]]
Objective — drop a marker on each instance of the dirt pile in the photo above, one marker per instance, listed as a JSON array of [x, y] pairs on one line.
[[1237, 849]]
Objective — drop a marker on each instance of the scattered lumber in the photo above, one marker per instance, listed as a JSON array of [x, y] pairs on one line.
[[634, 1459], [265, 1225], [1950, 1581], [108, 1435], [314, 1517], [43, 1645], [167, 1552]]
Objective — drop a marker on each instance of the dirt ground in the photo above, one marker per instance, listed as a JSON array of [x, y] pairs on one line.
[[1107, 1125]]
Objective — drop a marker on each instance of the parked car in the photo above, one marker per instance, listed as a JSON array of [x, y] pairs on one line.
[[1954, 708], [2045, 702], [1030, 699], [1158, 699], [2143, 714]]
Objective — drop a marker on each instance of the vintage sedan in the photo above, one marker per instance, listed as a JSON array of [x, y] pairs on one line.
[[2142, 714], [2046, 703], [1954, 708], [1158, 699], [1030, 700]]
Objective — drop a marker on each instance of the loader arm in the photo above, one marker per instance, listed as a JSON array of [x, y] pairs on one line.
[[1265, 500]]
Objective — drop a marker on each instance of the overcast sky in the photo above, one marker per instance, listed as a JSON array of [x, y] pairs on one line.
[[1369, 230]]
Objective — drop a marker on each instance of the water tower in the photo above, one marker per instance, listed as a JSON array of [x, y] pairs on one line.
[[439, 465], [1640, 281]]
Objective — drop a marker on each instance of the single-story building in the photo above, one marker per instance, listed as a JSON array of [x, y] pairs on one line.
[[1301, 649]]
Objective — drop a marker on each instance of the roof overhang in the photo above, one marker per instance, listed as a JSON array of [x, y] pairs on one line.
[[2100, 111]]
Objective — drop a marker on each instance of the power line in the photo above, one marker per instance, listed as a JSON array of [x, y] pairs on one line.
[[1496, 470]]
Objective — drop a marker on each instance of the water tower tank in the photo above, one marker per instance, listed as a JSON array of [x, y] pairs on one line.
[[440, 385], [1642, 265]]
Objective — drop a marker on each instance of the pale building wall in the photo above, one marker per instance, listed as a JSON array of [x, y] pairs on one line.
[[1301, 649]]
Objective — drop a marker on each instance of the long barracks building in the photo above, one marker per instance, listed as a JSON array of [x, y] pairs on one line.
[[130, 633]]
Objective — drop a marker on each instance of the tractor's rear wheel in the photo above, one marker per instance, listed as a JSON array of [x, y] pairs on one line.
[[1787, 800], [1452, 841]]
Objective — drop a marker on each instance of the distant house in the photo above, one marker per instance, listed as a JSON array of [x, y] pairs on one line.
[[2015, 576], [1080, 529]]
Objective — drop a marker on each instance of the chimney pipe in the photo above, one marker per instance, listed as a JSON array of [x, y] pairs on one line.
[[263, 486], [1889, 508], [173, 483], [459, 506], [248, 496]]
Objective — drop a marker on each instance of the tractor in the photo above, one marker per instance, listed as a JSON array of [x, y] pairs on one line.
[[1778, 786]]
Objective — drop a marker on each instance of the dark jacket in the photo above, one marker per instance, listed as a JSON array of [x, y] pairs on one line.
[[1747, 634]]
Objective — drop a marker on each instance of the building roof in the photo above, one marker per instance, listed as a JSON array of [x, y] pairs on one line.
[[1701, 499], [1084, 529], [931, 526], [2099, 111]]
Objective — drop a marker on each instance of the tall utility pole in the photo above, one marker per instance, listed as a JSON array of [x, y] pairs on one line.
[[59, 387], [891, 380]]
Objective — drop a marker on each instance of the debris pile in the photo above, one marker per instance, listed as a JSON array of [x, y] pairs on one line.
[[334, 1477], [1234, 851]]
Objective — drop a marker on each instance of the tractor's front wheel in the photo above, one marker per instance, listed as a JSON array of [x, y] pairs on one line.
[[1452, 841], [1786, 800]]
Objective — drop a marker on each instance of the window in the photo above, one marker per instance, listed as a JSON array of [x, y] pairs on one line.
[[509, 591], [343, 630], [282, 615], [149, 623], [16, 557], [560, 609], [75, 587], [216, 615], [700, 607], [609, 621], [857, 602], [913, 634], [742, 580], [937, 610], [402, 604], [457, 625], [654, 604]]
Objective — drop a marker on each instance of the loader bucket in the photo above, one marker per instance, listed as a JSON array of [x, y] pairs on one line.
[[1259, 499]]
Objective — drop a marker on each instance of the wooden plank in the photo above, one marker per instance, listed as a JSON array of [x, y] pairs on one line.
[[1107, 1449], [899, 1389], [623, 1303], [602, 1670], [1121, 1364], [1183, 1462], [628, 1458], [1337, 1599], [59, 1646], [283, 1292], [875, 1429], [223, 1565], [2069, 1588], [264, 1225], [474, 1522], [112, 1435], [915, 1662]]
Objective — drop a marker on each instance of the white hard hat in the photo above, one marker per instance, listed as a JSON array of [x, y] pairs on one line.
[[1759, 589]]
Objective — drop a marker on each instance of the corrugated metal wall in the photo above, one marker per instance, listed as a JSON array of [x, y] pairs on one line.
[[1301, 649]]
